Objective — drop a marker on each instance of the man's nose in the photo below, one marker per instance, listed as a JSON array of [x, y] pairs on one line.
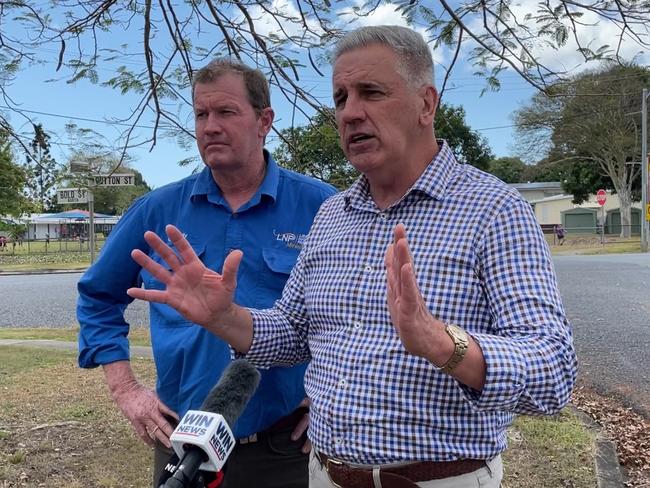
[[353, 110], [213, 123]]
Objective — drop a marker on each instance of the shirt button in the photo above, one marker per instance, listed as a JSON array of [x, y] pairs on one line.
[[367, 268], [343, 383], [338, 441], [235, 215], [356, 324], [383, 216]]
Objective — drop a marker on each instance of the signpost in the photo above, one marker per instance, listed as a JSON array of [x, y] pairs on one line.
[[116, 179], [85, 195], [72, 195], [601, 197]]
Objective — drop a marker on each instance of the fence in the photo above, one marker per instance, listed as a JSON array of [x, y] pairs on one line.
[[50, 246], [592, 236]]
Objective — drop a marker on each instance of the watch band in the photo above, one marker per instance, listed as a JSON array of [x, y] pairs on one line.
[[461, 343]]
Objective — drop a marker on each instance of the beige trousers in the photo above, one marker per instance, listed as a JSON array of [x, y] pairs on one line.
[[489, 477]]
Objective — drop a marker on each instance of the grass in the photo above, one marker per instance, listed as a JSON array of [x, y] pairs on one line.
[[590, 244], [550, 452], [59, 427], [138, 336]]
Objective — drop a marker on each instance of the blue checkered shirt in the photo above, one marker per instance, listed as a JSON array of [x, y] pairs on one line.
[[481, 262]]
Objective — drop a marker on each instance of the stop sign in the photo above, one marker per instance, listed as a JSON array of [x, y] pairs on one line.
[[601, 196]]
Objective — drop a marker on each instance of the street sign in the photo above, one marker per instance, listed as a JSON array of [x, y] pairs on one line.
[[116, 179], [72, 195], [601, 196]]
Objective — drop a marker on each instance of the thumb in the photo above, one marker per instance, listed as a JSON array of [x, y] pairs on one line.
[[230, 267]]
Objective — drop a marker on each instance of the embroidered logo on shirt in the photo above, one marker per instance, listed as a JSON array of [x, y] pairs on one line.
[[290, 239]]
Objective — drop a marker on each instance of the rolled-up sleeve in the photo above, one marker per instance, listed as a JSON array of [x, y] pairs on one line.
[[102, 294], [529, 353]]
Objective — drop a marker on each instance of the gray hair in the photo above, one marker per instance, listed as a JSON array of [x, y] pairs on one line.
[[257, 86], [415, 63]]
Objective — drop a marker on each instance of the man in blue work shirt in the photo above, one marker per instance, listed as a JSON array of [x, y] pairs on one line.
[[241, 200]]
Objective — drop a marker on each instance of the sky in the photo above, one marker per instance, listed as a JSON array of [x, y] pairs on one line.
[[55, 103]]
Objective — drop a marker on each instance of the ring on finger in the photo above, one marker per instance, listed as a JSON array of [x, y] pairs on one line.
[[152, 433]]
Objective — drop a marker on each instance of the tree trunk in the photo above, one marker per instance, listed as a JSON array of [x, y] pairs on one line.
[[625, 197]]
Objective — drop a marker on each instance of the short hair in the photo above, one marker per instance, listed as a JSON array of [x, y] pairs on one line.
[[257, 86], [414, 60]]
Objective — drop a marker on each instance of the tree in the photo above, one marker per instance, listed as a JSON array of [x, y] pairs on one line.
[[510, 170], [314, 150], [91, 154], [579, 178], [290, 41], [592, 119], [468, 145], [42, 171], [12, 181]]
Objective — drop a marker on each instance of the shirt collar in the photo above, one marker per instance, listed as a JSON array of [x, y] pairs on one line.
[[432, 182], [206, 186]]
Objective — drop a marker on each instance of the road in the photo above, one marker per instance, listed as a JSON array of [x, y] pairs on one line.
[[48, 300], [607, 299]]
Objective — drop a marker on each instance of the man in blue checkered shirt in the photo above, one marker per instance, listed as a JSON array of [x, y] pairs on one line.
[[422, 349]]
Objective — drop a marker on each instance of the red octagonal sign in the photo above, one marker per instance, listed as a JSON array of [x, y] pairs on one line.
[[601, 196]]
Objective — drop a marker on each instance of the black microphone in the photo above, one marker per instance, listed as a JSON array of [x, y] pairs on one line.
[[203, 438]]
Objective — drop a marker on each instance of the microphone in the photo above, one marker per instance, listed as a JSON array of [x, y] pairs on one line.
[[203, 439]]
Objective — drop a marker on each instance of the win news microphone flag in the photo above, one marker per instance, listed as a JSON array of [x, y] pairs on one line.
[[203, 439]]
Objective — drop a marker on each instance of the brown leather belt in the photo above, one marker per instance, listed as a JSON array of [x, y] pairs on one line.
[[404, 476]]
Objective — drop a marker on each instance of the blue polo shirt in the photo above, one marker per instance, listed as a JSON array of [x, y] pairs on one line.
[[269, 229]]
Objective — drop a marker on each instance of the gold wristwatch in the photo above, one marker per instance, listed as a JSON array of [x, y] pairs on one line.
[[461, 343]]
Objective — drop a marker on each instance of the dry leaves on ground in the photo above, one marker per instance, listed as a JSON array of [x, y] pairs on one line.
[[629, 430]]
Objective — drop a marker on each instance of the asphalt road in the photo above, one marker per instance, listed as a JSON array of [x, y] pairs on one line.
[[49, 300], [607, 299]]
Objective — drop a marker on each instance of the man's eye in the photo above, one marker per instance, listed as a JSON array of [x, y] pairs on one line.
[[200, 115]]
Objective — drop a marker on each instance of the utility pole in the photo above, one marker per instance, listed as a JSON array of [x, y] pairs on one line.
[[645, 161], [91, 224]]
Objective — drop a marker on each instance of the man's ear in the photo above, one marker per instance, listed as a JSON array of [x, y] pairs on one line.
[[266, 121], [429, 105]]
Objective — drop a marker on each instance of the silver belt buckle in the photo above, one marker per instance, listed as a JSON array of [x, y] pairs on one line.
[[248, 440]]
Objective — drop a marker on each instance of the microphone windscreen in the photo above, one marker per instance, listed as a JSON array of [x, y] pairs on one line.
[[231, 394]]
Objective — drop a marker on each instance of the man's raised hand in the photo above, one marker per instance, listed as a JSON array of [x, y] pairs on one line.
[[195, 291]]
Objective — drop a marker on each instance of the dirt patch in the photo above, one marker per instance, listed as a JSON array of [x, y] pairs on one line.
[[60, 428]]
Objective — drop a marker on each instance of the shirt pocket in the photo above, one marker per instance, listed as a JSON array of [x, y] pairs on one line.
[[163, 315], [278, 264]]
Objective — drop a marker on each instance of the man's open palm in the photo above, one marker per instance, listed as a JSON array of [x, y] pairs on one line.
[[196, 292]]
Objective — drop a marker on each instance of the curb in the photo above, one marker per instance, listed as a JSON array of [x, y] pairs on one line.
[[135, 351], [608, 469], [42, 271]]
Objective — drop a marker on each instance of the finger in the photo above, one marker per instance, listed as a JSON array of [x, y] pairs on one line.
[[181, 244], [159, 272], [410, 296], [165, 410], [162, 249], [306, 447], [157, 296], [300, 427], [230, 267], [143, 434], [390, 272]]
